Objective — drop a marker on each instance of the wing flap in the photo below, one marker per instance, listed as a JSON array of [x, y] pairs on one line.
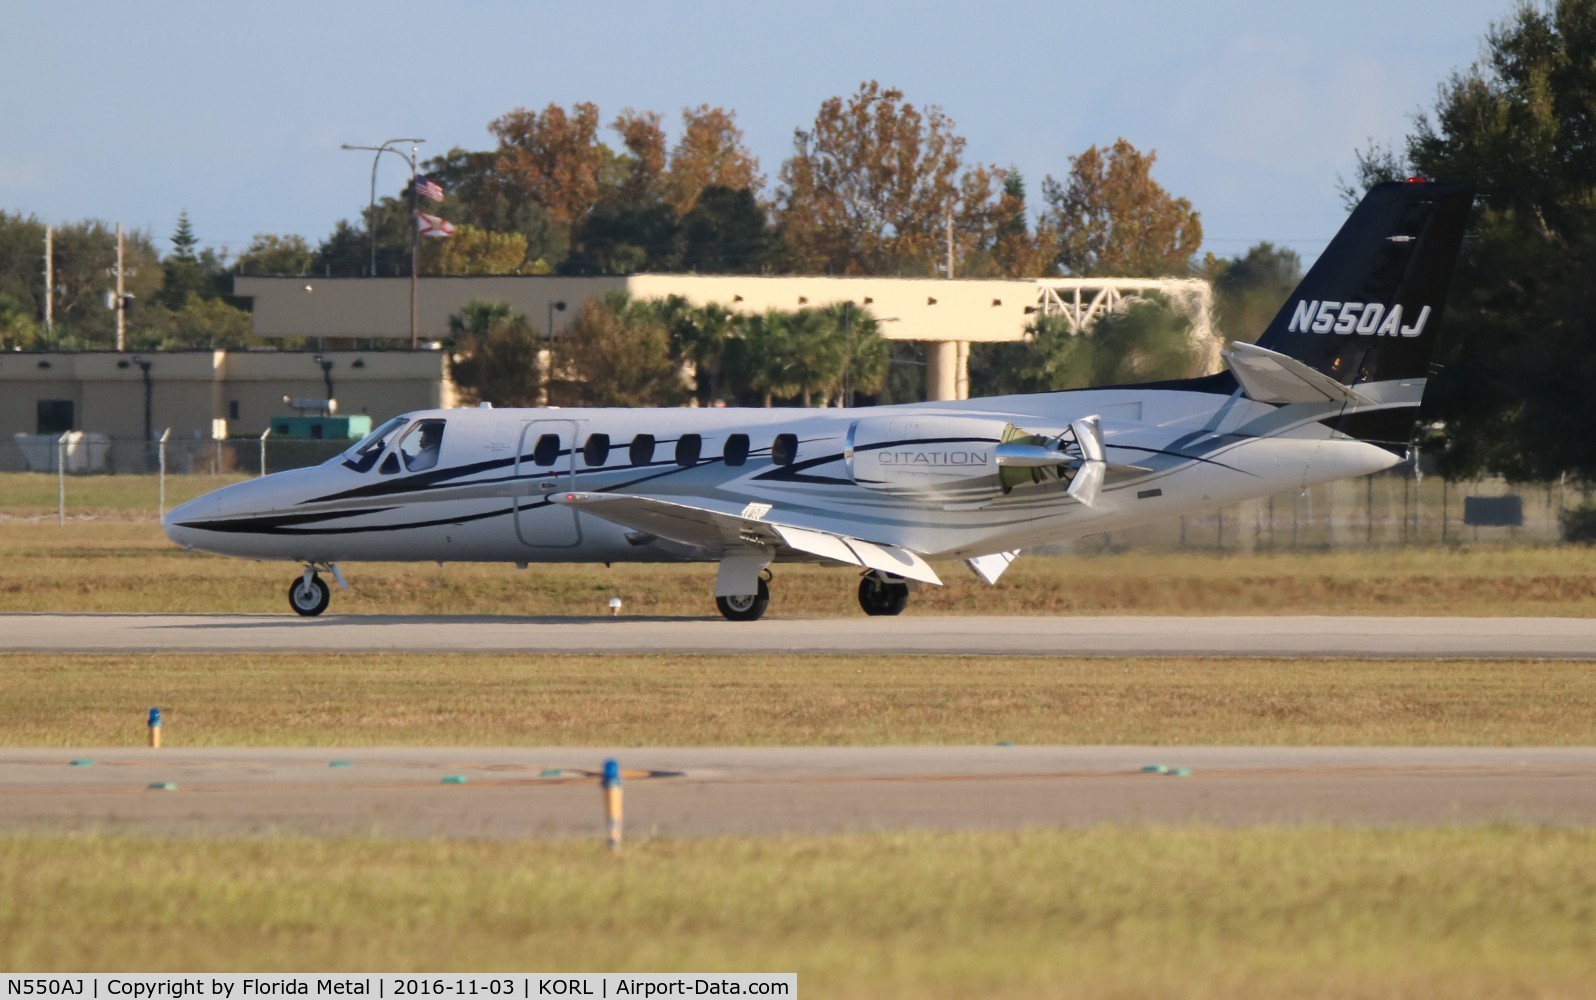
[[991, 567], [728, 529]]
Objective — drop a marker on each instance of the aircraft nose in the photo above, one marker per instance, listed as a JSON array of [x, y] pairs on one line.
[[175, 523]]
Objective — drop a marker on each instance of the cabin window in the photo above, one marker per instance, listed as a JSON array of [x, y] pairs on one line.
[[736, 450], [390, 465], [688, 448], [420, 446], [363, 455], [784, 449], [597, 450], [642, 449], [547, 450]]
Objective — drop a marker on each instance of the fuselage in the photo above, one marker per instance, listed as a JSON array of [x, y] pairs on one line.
[[921, 476]]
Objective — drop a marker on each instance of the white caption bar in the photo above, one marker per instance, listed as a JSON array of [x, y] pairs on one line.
[[393, 986]]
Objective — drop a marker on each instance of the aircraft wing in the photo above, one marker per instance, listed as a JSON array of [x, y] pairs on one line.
[[725, 528]]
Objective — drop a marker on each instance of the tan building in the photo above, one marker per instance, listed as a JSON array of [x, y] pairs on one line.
[[946, 315], [203, 394]]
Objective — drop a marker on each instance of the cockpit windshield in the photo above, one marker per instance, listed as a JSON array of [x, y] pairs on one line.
[[420, 446], [363, 455]]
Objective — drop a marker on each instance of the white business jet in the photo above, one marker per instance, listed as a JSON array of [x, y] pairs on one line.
[[1331, 390]]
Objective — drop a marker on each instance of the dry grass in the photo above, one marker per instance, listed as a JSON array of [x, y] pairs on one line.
[[385, 699], [111, 556], [112, 565], [1480, 913]]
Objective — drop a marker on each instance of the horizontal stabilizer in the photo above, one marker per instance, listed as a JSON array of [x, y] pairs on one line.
[[1271, 377], [723, 530]]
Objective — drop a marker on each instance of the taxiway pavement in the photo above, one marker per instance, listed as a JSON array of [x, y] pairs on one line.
[[1290, 636], [553, 792]]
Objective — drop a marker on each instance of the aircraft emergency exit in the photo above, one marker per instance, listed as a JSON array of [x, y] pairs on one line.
[[1331, 390]]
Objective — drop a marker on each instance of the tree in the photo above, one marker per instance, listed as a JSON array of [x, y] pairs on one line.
[[763, 358], [1145, 340], [1016, 250], [476, 194], [1519, 354], [709, 154], [268, 253], [870, 186], [205, 322], [1112, 218], [620, 238], [1250, 289], [189, 270], [494, 356], [726, 232], [474, 251], [619, 354], [552, 158]]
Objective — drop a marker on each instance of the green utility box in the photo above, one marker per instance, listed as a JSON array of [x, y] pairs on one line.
[[322, 428]]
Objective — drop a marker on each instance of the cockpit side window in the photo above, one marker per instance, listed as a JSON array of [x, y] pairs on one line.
[[364, 454], [420, 446]]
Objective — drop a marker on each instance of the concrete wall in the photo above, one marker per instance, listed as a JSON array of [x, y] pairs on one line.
[[361, 308]]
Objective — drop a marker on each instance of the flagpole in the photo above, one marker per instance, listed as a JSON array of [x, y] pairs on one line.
[[415, 243]]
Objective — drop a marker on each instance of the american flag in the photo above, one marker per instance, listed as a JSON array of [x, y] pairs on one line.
[[427, 188], [431, 225]]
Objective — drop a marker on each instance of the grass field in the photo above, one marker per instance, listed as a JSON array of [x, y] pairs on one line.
[[389, 700], [113, 565], [1481, 913], [1123, 913]]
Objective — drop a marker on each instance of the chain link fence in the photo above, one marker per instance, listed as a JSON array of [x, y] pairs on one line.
[[1399, 507]]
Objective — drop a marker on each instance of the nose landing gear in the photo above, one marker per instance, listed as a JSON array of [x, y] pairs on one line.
[[309, 595]]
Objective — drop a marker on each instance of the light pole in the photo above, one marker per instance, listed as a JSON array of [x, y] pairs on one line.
[[548, 385], [326, 377], [371, 207], [371, 213], [149, 426]]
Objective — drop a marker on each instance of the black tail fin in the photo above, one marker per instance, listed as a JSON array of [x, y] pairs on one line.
[[1369, 310]]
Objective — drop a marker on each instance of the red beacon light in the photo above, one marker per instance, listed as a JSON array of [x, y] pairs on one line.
[[1416, 179]]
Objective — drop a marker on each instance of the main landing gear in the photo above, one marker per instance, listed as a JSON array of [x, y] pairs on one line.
[[879, 594], [309, 594], [745, 607], [883, 594]]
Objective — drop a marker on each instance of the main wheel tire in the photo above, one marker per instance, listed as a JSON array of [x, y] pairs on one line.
[[878, 598], [311, 600], [745, 607]]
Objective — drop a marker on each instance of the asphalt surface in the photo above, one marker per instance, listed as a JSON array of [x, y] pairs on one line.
[[554, 792], [1293, 636]]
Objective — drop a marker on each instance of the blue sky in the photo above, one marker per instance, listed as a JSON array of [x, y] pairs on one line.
[[134, 112]]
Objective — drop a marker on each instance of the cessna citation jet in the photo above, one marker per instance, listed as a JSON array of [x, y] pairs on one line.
[[1330, 390]]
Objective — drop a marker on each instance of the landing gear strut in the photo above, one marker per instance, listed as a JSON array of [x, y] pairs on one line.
[[309, 594], [880, 594], [745, 607]]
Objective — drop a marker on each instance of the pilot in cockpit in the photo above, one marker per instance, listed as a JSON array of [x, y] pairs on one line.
[[429, 437]]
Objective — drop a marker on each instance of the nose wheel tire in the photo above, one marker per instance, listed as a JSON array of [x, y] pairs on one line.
[[878, 597], [745, 607], [309, 598]]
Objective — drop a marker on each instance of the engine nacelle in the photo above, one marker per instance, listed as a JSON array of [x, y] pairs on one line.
[[948, 459]]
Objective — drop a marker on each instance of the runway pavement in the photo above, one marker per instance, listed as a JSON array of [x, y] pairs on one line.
[[1292, 636], [553, 792]]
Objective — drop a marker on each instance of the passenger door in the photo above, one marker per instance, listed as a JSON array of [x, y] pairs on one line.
[[541, 470]]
